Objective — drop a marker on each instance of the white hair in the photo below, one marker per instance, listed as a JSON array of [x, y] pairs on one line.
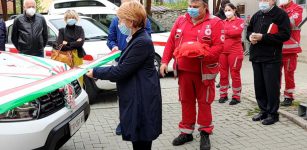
[[25, 1]]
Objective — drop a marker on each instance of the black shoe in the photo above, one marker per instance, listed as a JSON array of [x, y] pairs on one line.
[[204, 141], [118, 130], [234, 101], [271, 119], [223, 99], [260, 116], [287, 102], [182, 138]]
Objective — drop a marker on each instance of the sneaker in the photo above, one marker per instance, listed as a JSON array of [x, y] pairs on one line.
[[118, 130], [204, 141], [287, 102], [223, 99], [260, 116], [182, 138], [271, 119], [234, 101]]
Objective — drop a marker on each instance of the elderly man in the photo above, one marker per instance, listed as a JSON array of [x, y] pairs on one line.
[[29, 34], [196, 41], [267, 31]]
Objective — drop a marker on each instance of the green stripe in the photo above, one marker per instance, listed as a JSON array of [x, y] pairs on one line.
[[41, 61], [31, 97]]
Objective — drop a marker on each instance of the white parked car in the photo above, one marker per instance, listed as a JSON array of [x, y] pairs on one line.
[[42, 118], [104, 12], [94, 46]]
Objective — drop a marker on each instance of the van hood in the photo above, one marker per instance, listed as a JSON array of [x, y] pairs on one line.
[[18, 70]]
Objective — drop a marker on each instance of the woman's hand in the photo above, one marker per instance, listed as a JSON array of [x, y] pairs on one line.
[[79, 40], [90, 73]]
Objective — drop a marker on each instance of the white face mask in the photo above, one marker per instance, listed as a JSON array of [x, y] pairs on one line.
[[283, 2], [30, 11], [229, 14]]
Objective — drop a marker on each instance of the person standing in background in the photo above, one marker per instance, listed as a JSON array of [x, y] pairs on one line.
[[2, 35], [232, 56], [221, 13], [267, 31], [30, 33], [291, 48], [199, 37]]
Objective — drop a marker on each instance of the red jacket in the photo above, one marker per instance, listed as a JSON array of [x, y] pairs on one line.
[[210, 32], [233, 36], [295, 13]]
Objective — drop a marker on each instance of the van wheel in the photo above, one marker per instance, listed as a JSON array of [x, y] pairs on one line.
[[91, 89], [157, 63]]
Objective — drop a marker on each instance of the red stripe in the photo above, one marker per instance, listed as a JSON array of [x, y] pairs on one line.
[[159, 43], [13, 50], [9, 91]]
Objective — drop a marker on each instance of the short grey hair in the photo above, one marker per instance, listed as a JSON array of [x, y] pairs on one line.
[[25, 1]]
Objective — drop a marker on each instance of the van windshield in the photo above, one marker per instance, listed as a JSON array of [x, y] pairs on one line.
[[106, 20], [92, 29]]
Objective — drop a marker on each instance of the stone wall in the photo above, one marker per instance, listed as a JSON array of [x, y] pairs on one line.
[[167, 17]]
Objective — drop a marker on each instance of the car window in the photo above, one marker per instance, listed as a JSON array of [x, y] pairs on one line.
[[155, 26], [51, 35], [92, 29], [78, 4], [9, 32], [106, 20]]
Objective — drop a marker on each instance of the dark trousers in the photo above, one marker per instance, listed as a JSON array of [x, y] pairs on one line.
[[267, 86], [142, 145]]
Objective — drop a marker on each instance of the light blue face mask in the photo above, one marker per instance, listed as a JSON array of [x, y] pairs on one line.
[[124, 29], [193, 12], [264, 6], [71, 22]]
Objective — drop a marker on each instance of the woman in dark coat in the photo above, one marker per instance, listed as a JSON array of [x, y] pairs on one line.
[[138, 84]]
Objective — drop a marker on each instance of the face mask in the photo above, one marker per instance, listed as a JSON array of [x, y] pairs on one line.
[[229, 14], [193, 12], [124, 29], [71, 22], [264, 6], [283, 2], [30, 11]]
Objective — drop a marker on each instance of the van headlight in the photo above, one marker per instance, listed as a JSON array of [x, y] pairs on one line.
[[27, 111]]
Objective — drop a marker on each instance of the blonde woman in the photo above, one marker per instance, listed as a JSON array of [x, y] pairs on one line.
[[72, 37], [137, 80]]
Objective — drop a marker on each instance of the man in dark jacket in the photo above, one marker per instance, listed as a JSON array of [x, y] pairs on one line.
[[267, 31], [2, 35], [29, 34]]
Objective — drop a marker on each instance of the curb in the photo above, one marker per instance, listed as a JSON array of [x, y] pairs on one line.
[[294, 118]]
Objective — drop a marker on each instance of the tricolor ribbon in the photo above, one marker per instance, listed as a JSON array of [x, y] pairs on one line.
[[12, 98]]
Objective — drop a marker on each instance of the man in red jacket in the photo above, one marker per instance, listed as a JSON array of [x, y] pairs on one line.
[[197, 39], [291, 48]]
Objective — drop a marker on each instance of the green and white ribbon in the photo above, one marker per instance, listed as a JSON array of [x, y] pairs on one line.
[[27, 93]]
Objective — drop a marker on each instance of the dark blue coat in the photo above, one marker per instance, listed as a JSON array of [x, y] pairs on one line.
[[2, 35], [139, 91]]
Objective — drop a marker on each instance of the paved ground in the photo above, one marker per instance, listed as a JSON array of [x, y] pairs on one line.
[[233, 126]]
